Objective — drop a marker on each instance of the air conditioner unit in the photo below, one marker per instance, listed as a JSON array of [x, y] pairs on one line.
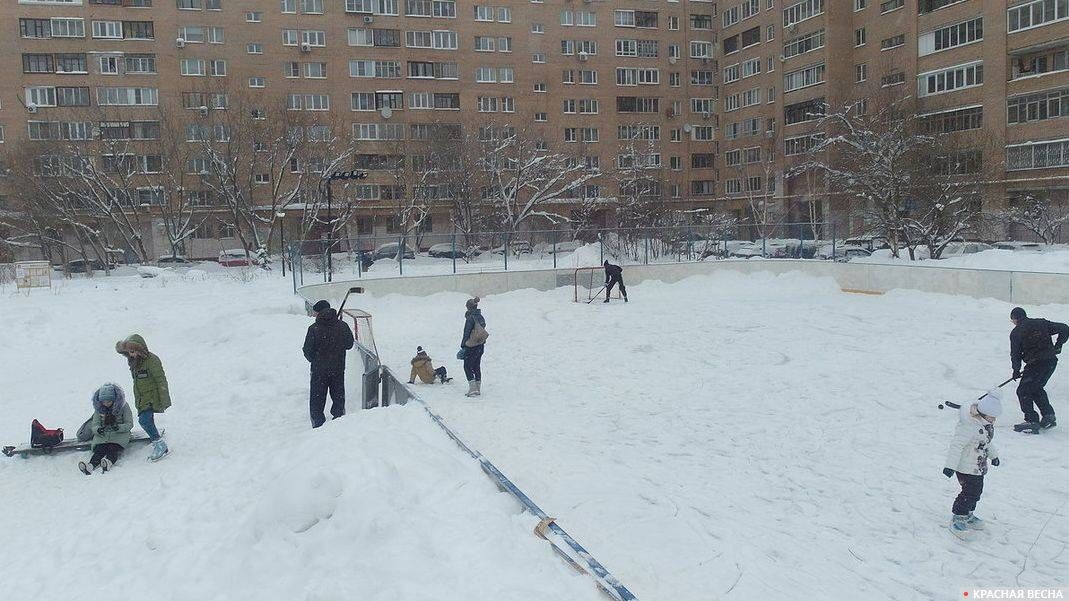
[[203, 111], [705, 114], [770, 133], [180, 42], [31, 108], [583, 55], [306, 47], [688, 128], [782, 58], [369, 19]]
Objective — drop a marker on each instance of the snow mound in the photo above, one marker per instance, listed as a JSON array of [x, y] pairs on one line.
[[1046, 260]]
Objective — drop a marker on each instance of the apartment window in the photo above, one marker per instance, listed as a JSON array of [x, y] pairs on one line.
[[253, 16], [1036, 14], [538, 28], [801, 112], [927, 6], [859, 36], [703, 133], [892, 42], [730, 17], [126, 96], [673, 23], [948, 80], [108, 65], [38, 63], [803, 78], [961, 119], [750, 37], [751, 67], [889, 5], [312, 7], [290, 37], [541, 117], [257, 82], [701, 22], [193, 66], [588, 77], [704, 160], [860, 4], [37, 28], [1037, 155], [110, 30], [732, 73], [749, 98], [71, 63], [138, 30], [538, 57], [892, 79], [189, 5], [41, 96], [1040, 106], [192, 34], [770, 32], [806, 43], [254, 48], [952, 36], [701, 49], [861, 72], [315, 70], [732, 186], [806, 9], [139, 64], [315, 37], [801, 144]]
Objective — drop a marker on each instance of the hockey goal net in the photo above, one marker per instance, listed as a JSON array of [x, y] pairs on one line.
[[589, 284]]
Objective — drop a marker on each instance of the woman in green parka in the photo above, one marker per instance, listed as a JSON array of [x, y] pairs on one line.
[[151, 395], [112, 421]]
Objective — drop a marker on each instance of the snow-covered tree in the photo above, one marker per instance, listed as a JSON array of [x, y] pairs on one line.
[[640, 201], [1036, 212]]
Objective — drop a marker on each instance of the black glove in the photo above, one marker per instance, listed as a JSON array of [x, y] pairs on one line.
[[995, 462], [1016, 374], [109, 420], [100, 430], [949, 473]]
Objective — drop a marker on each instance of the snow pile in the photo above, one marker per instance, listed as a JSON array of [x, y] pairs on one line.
[[588, 255], [1054, 260]]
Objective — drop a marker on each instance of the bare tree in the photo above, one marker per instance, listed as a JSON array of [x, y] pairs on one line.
[[1038, 213]]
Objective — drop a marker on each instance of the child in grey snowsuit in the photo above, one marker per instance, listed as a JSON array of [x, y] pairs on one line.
[[967, 458], [111, 424]]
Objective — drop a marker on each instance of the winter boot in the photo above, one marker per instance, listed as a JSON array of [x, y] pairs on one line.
[[471, 388], [1048, 422], [478, 388], [159, 450], [959, 526], [105, 465], [86, 468], [1027, 427], [445, 380], [973, 522], [606, 299]]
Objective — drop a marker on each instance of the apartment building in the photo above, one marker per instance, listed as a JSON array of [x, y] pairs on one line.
[[974, 66], [576, 74]]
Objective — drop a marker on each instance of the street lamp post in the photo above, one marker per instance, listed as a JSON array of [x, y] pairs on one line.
[[337, 175], [282, 238]]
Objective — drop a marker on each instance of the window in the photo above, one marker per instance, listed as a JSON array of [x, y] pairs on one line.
[[803, 78], [701, 22], [889, 5], [253, 16], [806, 9], [315, 70], [193, 66], [961, 119], [418, 8], [860, 5], [952, 36], [315, 37], [801, 144], [730, 17], [37, 63], [541, 117], [257, 82], [861, 72], [1037, 155], [189, 5], [127, 96], [801, 112], [290, 37], [138, 30], [445, 40], [71, 63], [750, 37], [701, 49], [732, 186], [40, 96], [38, 28], [703, 160], [108, 65], [892, 42], [538, 57], [732, 73], [111, 30], [1039, 106], [892, 79], [806, 43], [192, 34], [254, 48], [537, 28], [950, 79], [140, 64], [751, 67], [1036, 14], [859, 37], [750, 8], [312, 7]]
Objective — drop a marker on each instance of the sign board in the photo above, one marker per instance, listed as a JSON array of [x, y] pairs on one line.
[[33, 274]]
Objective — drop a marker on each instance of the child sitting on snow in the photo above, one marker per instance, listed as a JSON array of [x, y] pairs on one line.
[[111, 424], [967, 458], [423, 367]]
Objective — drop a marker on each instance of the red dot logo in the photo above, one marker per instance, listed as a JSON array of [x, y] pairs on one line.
[[965, 594]]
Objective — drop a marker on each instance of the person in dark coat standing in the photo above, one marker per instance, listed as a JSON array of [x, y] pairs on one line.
[[472, 344], [1030, 342], [614, 274], [325, 345]]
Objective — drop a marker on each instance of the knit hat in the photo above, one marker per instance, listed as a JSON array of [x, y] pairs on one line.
[[991, 404], [473, 303], [1018, 313], [419, 349], [107, 393], [321, 306]]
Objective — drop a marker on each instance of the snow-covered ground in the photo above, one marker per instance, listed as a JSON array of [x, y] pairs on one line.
[[1052, 259], [727, 436]]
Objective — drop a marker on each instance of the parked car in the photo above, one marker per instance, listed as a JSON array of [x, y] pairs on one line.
[[1025, 246], [869, 243], [516, 247], [747, 251], [83, 266], [447, 250], [236, 258], [173, 260], [567, 246], [389, 251], [956, 249], [842, 252]]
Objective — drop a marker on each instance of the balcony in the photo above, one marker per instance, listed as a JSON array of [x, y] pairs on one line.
[[1039, 60]]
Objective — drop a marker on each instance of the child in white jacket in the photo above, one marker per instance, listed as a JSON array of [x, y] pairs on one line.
[[967, 458]]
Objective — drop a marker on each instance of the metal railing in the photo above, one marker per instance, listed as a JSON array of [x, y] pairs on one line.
[[432, 253]]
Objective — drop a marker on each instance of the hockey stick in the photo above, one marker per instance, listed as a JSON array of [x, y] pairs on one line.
[[353, 290], [596, 294], [953, 405]]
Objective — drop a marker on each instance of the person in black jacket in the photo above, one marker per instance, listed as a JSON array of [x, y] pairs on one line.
[[1030, 342], [614, 274], [324, 346], [472, 347]]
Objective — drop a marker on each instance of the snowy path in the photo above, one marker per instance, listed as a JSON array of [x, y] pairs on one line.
[[754, 435]]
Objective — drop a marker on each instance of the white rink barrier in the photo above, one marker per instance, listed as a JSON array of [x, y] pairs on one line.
[[1018, 287]]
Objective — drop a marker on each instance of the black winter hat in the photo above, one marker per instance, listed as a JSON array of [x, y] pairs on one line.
[[1018, 313], [321, 306]]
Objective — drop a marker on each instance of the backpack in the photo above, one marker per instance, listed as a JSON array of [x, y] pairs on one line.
[[43, 438]]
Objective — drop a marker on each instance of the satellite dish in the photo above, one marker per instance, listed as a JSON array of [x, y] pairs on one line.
[[386, 112]]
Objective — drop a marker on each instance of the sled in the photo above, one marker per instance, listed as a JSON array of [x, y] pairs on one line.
[[69, 444]]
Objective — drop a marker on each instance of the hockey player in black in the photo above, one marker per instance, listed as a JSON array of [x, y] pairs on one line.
[[1030, 342], [614, 274]]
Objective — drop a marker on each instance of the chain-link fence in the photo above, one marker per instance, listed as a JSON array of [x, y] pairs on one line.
[[436, 253]]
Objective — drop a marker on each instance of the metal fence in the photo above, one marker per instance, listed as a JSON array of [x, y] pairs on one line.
[[460, 252]]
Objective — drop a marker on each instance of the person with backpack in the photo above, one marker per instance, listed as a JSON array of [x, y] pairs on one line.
[[967, 458], [423, 367], [111, 424], [325, 345], [151, 394], [472, 344], [614, 274], [1030, 342]]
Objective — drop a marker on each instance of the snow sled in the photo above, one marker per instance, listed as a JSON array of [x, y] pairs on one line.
[[68, 444], [44, 438]]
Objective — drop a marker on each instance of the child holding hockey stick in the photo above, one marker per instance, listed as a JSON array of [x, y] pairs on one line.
[[111, 424], [967, 458]]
